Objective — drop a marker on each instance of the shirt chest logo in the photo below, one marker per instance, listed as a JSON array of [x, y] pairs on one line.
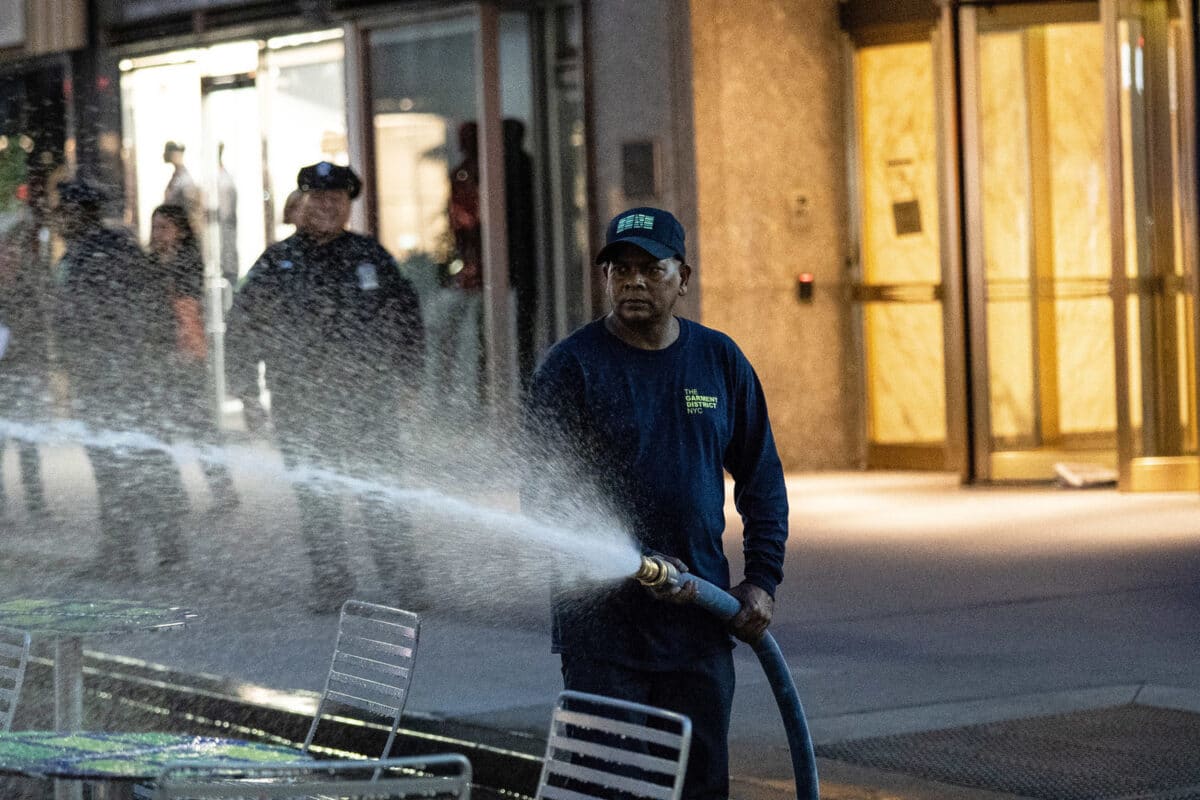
[[696, 403]]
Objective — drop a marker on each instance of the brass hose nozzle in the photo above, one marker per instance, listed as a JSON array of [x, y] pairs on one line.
[[656, 572]]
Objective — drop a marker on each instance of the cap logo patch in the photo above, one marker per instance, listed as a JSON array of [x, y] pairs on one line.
[[643, 221], [324, 168]]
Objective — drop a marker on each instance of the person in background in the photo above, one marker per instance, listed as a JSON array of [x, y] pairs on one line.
[[650, 411], [339, 330], [227, 221], [182, 189], [115, 332], [176, 258], [291, 208], [24, 354], [522, 247], [466, 270]]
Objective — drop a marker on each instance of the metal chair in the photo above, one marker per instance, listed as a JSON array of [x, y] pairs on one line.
[[370, 671], [599, 747], [428, 777], [14, 657], [372, 665]]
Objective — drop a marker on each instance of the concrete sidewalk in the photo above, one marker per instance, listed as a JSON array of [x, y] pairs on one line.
[[910, 604]]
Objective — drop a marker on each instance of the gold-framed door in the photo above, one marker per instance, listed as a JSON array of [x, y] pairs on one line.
[[1040, 317], [1150, 106], [898, 288], [1078, 142], [1026, 283]]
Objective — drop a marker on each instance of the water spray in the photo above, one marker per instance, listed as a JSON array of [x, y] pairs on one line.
[[657, 573]]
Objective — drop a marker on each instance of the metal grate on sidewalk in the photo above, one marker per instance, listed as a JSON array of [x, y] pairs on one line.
[[1129, 752]]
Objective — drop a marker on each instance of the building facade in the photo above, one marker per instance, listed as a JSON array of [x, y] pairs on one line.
[[950, 235], [996, 202], [42, 76]]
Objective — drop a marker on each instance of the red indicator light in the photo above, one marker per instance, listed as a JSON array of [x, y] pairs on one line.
[[804, 287]]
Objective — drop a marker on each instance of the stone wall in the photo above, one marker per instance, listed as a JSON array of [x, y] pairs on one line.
[[640, 84], [769, 81]]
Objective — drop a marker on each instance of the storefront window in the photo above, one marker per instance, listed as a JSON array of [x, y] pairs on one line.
[[425, 95], [525, 277], [571, 281], [427, 188], [227, 110], [223, 130]]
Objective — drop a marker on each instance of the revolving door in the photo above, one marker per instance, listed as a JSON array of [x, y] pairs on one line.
[[1053, 171]]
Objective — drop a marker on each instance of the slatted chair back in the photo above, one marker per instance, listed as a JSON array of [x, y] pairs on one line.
[[372, 665], [434, 777], [14, 657], [599, 747]]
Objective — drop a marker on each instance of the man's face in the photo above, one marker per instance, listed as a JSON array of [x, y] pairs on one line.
[[324, 212], [642, 289]]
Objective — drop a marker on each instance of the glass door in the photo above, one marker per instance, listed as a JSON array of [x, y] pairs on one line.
[[1151, 111], [477, 140], [231, 152], [898, 293], [231, 174], [429, 209], [301, 82], [1041, 320]]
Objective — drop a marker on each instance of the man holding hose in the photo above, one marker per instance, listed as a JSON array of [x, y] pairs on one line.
[[643, 413]]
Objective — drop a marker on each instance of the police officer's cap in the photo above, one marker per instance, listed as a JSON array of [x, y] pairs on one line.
[[324, 175], [81, 193]]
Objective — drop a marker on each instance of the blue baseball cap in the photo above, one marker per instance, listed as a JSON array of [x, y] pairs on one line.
[[652, 229], [324, 175]]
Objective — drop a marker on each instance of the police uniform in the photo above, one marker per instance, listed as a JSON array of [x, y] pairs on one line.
[[114, 329], [339, 330]]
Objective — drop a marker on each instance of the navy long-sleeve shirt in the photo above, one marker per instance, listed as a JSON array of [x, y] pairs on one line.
[[650, 434]]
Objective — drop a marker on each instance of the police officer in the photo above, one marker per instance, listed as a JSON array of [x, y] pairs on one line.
[[114, 327], [339, 330]]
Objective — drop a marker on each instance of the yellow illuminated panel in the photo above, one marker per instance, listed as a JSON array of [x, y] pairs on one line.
[[898, 180], [898, 158], [1007, 236], [905, 385], [1046, 237], [1075, 87]]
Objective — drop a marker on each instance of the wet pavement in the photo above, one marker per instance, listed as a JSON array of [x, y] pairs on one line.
[[909, 605]]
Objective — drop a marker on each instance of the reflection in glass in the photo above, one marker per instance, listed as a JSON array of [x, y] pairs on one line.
[[423, 105], [525, 277]]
